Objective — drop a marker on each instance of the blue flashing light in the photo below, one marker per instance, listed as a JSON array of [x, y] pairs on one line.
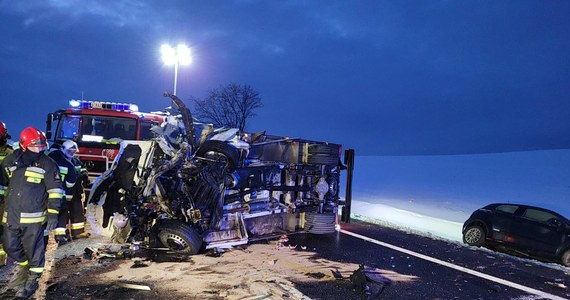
[[87, 104]]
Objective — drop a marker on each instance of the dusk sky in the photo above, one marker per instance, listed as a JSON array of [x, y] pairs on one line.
[[383, 77]]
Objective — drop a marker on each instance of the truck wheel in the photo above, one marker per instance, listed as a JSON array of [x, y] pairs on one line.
[[320, 223], [179, 237], [474, 235], [211, 148]]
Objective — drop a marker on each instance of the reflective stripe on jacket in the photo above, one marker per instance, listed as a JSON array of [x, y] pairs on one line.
[[4, 151], [34, 190], [66, 169]]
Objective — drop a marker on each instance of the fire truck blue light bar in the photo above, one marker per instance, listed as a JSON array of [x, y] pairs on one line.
[[87, 104]]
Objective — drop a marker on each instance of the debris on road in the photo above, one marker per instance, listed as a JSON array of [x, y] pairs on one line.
[[368, 282], [235, 275], [133, 286]]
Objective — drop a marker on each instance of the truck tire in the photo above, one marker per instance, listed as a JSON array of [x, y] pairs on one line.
[[179, 237], [231, 153], [320, 223]]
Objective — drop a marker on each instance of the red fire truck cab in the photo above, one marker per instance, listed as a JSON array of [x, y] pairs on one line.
[[98, 128]]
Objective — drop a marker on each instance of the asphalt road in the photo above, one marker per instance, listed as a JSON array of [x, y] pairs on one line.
[[404, 275], [409, 277]]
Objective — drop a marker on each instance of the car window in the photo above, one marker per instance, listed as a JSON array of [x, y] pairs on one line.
[[538, 215], [510, 209]]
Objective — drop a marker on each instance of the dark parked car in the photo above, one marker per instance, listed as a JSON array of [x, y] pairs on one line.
[[522, 229]]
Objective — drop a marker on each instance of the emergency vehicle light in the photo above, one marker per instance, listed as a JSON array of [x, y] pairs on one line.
[[74, 103], [87, 104]]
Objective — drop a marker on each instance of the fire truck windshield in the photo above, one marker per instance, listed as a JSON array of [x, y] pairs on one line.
[[96, 128]]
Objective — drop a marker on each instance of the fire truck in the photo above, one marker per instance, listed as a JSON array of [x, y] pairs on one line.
[[98, 128]]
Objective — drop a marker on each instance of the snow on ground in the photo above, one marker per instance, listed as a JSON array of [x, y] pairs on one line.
[[407, 220], [436, 194]]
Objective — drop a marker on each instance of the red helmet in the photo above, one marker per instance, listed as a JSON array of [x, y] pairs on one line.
[[32, 137], [3, 130]]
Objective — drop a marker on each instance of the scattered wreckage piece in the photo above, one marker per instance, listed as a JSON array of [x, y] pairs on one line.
[[90, 253], [192, 191], [368, 283], [137, 254], [138, 264], [132, 286]]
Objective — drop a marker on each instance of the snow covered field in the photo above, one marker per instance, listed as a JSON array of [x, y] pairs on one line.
[[436, 194]]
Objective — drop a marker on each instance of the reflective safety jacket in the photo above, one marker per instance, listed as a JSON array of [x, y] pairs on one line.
[[66, 170], [34, 189], [4, 151]]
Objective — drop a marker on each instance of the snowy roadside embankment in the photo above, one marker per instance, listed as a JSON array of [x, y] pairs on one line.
[[407, 220]]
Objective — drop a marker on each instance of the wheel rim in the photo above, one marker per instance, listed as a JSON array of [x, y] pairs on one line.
[[473, 235], [175, 242]]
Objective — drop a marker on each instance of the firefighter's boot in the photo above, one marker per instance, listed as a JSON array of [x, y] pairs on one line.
[[61, 240], [82, 235], [31, 285], [20, 278]]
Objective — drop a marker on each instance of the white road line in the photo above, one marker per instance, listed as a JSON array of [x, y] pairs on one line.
[[456, 267]]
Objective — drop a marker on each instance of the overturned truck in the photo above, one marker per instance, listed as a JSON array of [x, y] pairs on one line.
[[193, 188]]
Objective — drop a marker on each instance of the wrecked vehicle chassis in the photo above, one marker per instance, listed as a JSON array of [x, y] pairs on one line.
[[225, 193]]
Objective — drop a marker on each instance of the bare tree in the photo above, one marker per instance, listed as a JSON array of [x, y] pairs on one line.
[[228, 106]]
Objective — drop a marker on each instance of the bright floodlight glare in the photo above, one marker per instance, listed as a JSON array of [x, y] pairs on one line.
[[184, 55], [92, 138], [134, 107], [168, 55]]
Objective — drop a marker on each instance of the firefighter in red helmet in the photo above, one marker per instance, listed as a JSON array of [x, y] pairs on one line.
[[34, 196], [5, 149]]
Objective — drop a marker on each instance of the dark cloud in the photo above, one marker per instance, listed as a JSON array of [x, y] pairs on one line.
[[397, 78]]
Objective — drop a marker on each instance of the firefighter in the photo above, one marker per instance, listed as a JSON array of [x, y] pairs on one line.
[[35, 193], [5, 149], [63, 155], [77, 208]]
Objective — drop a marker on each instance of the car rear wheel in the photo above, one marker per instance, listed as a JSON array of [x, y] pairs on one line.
[[566, 258], [474, 235]]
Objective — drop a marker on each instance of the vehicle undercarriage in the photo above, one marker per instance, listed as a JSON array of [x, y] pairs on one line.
[[193, 188]]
